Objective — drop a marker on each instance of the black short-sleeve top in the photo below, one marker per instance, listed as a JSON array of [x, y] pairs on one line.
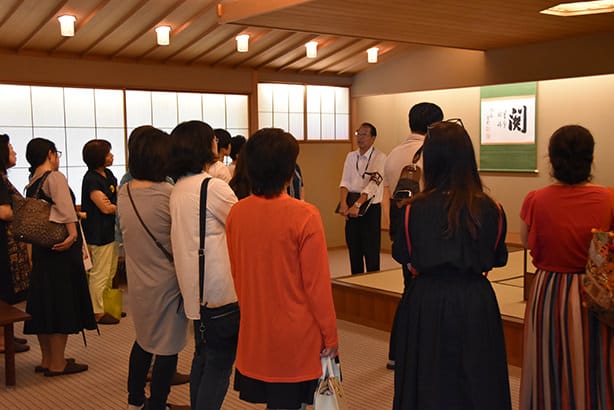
[[99, 228], [431, 250]]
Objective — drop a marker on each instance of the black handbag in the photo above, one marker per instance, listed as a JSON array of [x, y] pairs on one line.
[[219, 326], [31, 220]]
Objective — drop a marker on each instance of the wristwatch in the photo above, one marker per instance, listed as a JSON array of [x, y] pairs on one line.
[[357, 204]]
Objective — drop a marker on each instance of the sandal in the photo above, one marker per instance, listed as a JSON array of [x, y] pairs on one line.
[[41, 369], [70, 368]]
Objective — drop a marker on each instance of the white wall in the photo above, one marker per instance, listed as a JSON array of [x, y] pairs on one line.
[[587, 101]]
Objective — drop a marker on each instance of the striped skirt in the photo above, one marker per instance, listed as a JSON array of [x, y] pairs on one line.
[[568, 354]]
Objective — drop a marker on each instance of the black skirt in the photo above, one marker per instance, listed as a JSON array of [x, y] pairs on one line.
[[450, 348], [275, 395], [59, 298]]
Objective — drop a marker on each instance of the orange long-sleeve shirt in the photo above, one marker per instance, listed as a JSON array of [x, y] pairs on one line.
[[280, 269]]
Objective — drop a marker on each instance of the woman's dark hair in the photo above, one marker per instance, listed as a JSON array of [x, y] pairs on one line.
[[450, 167], [95, 153], [240, 180], [191, 148], [223, 138], [37, 151], [236, 143], [148, 153], [4, 153], [571, 154], [271, 157]]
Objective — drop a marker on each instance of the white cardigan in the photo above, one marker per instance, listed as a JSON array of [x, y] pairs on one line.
[[185, 238]]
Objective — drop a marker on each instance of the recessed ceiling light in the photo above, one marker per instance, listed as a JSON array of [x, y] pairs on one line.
[[581, 8]]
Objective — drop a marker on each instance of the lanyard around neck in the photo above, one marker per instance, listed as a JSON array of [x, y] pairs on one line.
[[368, 160]]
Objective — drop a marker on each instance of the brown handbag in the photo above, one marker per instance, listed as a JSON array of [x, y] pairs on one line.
[[31, 220]]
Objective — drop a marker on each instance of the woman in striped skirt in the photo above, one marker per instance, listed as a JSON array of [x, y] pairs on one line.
[[568, 354]]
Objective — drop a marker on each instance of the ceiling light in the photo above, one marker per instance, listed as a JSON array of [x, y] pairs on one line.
[[372, 55], [242, 43], [163, 34], [581, 8], [67, 25], [312, 49]]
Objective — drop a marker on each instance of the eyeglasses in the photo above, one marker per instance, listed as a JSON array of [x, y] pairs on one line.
[[457, 121], [59, 154], [362, 134]]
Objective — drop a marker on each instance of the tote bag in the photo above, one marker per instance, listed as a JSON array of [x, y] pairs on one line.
[[329, 394], [598, 282]]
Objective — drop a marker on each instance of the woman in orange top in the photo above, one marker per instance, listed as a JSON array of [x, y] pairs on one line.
[[280, 268]]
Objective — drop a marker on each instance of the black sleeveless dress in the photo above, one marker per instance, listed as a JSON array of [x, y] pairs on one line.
[[59, 298]]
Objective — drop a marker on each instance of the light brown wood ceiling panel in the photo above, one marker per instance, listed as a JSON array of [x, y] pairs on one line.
[[124, 30]]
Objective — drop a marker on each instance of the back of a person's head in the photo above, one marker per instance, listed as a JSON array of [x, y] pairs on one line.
[[449, 159], [4, 152], [271, 157], [223, 138], [95, 153], [571, 150], [191, 148], [422, 115], [236, 143], [148, 154], [37, 151]]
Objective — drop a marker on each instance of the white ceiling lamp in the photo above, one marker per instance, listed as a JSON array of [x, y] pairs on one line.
[[67, 25], [312, 49], [581, 8], [372, 55], [163, 34], [242, 43]]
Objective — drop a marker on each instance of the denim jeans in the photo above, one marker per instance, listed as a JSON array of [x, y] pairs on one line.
[[211, 369], [163, 371]]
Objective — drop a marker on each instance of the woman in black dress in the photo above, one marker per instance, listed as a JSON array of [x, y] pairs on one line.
[[59, 298], [451, 350]]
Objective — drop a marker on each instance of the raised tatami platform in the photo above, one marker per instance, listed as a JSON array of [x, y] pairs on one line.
[[371, 299]]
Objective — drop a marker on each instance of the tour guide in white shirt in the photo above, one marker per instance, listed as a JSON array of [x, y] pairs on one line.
[[362, 173]]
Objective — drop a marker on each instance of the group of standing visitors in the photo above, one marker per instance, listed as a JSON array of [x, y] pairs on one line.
[[447, 346], [245, 259]]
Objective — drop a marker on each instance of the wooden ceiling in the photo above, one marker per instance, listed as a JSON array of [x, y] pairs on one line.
[[123, 30]]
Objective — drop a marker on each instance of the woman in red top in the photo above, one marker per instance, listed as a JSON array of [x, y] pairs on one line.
[[568, 354], [279, 264]]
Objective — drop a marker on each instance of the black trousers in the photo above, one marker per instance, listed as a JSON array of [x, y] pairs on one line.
[[363, 238], [163, 371]]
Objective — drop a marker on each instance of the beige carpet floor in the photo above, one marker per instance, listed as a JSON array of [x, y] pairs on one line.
[[368, 385]]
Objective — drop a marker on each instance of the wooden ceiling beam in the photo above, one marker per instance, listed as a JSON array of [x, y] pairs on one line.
[[341, 58], [149, 27], [114, 26], [42, 24], [80, 23], [182, 27], [229, 36], [306, 38], [234, 10], [253, 56], [11, 11]]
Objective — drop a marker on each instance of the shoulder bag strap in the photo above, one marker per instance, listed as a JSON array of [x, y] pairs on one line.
[[40, 186], [411, 268], [166, 253], [417, 155], [499, 225], [203, 232]]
